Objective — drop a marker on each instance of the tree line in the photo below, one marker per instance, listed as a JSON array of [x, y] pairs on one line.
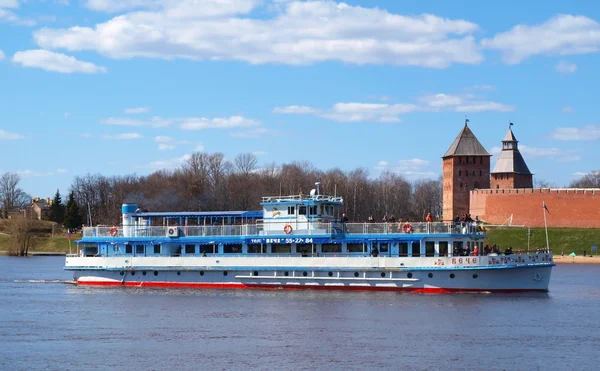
[[209, 182]]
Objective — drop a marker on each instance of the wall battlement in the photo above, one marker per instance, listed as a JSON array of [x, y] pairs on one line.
[[570, 191]]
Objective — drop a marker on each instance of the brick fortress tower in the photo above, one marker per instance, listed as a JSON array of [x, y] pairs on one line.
[[511, 171], [466, 166]]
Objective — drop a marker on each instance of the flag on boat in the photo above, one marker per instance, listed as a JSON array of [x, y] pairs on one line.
[[69, 234], [545, 207]]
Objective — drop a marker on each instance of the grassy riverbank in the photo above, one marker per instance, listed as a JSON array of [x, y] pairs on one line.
[[44, 244]]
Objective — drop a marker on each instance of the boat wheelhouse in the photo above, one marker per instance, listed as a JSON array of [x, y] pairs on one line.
[[297, 242]]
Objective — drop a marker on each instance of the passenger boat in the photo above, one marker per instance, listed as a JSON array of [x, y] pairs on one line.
[[297, 242]]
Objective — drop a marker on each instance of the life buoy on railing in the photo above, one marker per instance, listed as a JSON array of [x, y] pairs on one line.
[[407, 228], [114, 231], [287, 229]]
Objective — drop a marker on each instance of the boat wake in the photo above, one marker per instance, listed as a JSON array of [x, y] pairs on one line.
[[40, 281]]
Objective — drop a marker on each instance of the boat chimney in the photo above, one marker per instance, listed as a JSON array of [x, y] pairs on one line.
[[318, 184]]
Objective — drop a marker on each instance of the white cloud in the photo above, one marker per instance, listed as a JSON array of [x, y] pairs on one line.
[[565, 67], [293, 33], [569, 159], [163, 139], [61, 171], [9, 4], [2, 55], [567, 109], [86, 135], [561, 35], [6, 135], [390, 113], [382, 163], [124, 136], [7, 16], [589, 132], [481, 87], [199, 148], [539, 152], [165, 146], [137, 110], [259, 153], [169, 163], [579, 174], [66, 114], [30, 173], [55, 62], [155, 122], [200, 123]]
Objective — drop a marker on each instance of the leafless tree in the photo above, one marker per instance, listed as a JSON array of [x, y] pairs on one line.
[[11, 196], [590, 180], [22, 236]]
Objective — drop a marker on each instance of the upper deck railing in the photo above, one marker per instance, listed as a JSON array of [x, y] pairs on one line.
[[300, 197], [278, 229]]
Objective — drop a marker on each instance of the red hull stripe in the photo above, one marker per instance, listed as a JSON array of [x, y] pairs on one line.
[[195, 285]]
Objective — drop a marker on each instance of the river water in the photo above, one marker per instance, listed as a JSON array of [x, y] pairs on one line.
[[46, 323]]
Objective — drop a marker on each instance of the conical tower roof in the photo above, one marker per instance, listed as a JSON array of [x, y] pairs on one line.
[[510, 159], [466, 144]]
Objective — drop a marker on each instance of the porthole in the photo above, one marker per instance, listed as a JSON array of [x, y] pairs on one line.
[[225, 273], [155, 273], [452, 275], [255, 273], [133, 273], [355, 274], [475, 275], [330, 274], [409, 275], [179, 273], [286, 273], [121, 273], [144, 273], [202, 273], [382, 274], [305, 273], [430, 275]]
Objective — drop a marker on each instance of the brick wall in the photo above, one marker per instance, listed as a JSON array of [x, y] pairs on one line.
[[578, 208], [511, 180], [461, 174]]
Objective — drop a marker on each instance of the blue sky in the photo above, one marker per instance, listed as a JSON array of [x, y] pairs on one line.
[[131, 86]]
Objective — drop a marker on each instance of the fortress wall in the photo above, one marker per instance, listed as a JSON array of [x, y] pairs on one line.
[[577, 208]]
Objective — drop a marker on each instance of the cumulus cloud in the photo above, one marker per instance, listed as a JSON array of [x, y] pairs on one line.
[[255, 133], [137, 110], [165, 146], [390, 113], [561, 35], [163, 139], [155, 122], [567, 109], [2, 55], [294, 32], [412, 168], [200, 123], [30, 173], [589, 132], [199, 148], [565, 67], [124, 136], [6, 135], [9, 16], [169, 163], [259, 153], [55, 62]]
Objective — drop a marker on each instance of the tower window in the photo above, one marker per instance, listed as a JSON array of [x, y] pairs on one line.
[[467, 173], [473, 172], [480, 172], [460, 173], [460, 184], [480, 160]]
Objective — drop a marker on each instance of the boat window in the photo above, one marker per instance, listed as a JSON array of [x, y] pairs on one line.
[[128, 249], [190, 249], [313, 210], [429, 248], [256, 249], [157, 249], [302, 210], [416, 249], [383, 247], [91, 250], [304, 248], [355, 247], [208, 249], [232, 249], [331, 247], [403, 249], [281, 248], [291, 210], [457, 247], [139, 249], [443, 248]]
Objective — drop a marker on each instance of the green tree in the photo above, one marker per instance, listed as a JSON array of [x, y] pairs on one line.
[[57, 209], [73, 219]]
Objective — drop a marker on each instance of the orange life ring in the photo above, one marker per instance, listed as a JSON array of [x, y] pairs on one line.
[[287, 229], [407, 228], [114, 231]]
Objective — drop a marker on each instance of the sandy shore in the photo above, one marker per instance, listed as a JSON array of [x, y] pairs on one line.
[[577, 259]]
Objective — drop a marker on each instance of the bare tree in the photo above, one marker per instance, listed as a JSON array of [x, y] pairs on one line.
[[590, 180], [11, 196], [22, 233], [245, 163]]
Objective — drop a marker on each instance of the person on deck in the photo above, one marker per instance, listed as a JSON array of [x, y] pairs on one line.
[[374, 251], [428, 218]]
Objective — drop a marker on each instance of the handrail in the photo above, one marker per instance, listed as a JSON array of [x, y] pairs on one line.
[[301, 228]]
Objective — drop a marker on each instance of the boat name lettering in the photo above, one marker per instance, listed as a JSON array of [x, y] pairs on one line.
[[464, 260], [281, 240]]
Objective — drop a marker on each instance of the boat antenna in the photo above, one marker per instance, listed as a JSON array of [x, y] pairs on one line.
[[545, 210]]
